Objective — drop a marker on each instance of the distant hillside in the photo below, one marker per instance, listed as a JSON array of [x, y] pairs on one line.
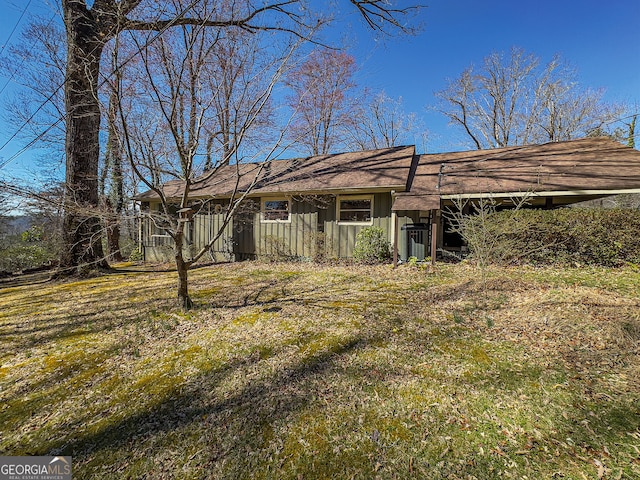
[[10, 226]]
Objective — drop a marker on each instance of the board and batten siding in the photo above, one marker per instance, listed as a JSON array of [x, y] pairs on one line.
[[295, 238], [247, 236], [341, 236], [205, 229]]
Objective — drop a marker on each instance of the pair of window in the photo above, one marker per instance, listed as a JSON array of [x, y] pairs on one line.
[[350, 210]]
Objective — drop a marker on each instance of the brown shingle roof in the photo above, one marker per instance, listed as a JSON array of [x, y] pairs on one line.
[[590, 164], [375, 169], [576, 165]]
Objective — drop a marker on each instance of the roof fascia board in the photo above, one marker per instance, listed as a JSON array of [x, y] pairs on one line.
[[332, 191], [551, 193]]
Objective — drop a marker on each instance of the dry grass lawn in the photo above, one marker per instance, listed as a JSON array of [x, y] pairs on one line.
[[296, 371]]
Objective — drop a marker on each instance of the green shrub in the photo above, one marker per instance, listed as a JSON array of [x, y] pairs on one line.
[[19, 257], [33, 235], [136, 255], [371, 246], [607, 237]]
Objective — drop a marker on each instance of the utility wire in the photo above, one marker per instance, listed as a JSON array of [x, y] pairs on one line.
[[622, 118], [15, 27], [19, 67], [5, 162]]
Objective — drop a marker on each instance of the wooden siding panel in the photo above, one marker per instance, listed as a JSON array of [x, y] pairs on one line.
[[206, 227], [288, 239], [342, 236], [249, 237]]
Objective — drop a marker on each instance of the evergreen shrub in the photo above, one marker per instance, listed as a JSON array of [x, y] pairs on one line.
[[586, 236], [371, 246]]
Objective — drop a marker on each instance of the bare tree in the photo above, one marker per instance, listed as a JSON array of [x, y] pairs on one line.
[[91, 24], [5, 205], [515, 101], [37, 63], [111, 181], [631, 131], [380, 122], [321, 88], [42, 205], [37, 111], [169, 132], [231, 72]]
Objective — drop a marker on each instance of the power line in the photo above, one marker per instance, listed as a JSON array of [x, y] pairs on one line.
[[19, 67], [107, 78], [27, 121], [622, 118], [15, 27], [4, 163]]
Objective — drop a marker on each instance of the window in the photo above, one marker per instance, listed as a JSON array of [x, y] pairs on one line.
[[276, 211], [355, 209]]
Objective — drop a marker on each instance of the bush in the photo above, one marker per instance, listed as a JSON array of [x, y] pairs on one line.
[[15, 258], [136, 255], [33, 248], [606, 237], [371, 246]]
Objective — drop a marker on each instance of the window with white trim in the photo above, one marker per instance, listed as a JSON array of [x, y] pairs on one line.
[[276, 210], [355, 209]]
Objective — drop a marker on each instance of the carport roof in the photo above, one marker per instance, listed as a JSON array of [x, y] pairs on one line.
[[589, 164]]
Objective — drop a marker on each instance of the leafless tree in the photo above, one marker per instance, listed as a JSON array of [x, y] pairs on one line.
[[231, 78], [112, 178], [42, 205], [186, 125], [5, 206], [37, 111], [515, 100], [321, 98], [381, 122], [37, 63], [91, 24]]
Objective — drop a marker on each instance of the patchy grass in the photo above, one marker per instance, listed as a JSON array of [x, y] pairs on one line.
[[299, 371]]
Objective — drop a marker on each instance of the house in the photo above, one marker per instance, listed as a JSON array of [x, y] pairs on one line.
[[304, 207]]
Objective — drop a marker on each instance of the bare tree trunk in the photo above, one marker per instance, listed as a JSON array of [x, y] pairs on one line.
[[113, 231], [113, 242], [184, 301], [113, 161], [81, 225]]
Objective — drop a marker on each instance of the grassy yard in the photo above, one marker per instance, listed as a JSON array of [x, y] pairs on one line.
[[295, 371]]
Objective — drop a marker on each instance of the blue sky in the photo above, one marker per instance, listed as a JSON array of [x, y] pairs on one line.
[[600, 39]]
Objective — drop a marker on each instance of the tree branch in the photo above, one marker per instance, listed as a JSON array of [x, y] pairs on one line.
[[378, 13], [243, 23]]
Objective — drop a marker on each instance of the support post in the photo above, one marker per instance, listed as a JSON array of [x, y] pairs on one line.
[[435, 219], [394, 227], [548, 204]]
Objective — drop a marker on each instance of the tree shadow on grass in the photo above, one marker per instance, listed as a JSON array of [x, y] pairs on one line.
[[569, 417], [18, 337], [273, 398], [21, 280]]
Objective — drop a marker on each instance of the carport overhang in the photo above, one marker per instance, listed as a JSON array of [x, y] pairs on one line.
[[407, 201], [546, 198], [414, 202]]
